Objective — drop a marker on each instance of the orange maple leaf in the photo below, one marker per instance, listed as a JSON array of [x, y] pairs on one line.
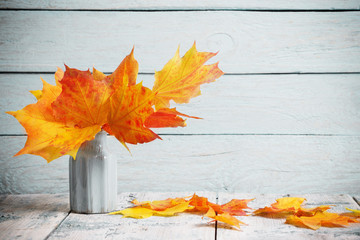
[[130, 106], [166, 117], [124, 75], [282, 207], [48, 137], [82, 102], [236, 207], [180, 79], [202, 204], [325, 219], [225, 217]]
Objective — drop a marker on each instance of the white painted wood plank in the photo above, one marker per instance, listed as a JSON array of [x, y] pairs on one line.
[[101, 226], [249, 42], [32, 216], [267, 228], [185, 4], [259, 104], [253, 164], [357, 199]]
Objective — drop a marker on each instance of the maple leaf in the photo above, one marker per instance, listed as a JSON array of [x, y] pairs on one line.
[[36, 93], [59, 74], [129, 108], [311, 211], [47, 137], [354, 213], [160, 205], [202, 204], [166, 117], [180, 79], [83, 101], [145, 212], [282, 207], [236, 207], [324, 219], [124, 75], [225, 217]]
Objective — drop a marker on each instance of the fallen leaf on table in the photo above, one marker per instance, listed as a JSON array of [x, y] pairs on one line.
[[202, 204], [308, 212], [282, 207], [193, 204], [159, 205], [224, 217], [145, 212], [135, 212], [354, 213], [320, 219], [299, 216], [235, 207]]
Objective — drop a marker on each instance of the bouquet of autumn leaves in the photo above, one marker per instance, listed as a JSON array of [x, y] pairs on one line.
[[83, 103]]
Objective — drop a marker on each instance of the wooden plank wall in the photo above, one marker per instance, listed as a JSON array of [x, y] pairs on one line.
[[283, 119]]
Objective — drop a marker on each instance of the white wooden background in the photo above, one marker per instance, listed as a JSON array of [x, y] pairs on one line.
[[285, 118]]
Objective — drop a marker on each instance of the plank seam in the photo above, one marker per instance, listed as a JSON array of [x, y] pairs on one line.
[[178, 10], [228, 134], [226, 74], [49, 235], [356, 200], [216, 222]]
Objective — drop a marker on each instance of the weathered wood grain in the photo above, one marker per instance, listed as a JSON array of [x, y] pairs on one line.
[[181, 5], [102, 226], [249, 42], [32, 216], [253, 164], [256, 104], [269, 228]]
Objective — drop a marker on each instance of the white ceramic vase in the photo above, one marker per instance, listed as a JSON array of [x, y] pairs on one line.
[[93, 178]]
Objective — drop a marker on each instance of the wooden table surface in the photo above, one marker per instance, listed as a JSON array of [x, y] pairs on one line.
[[47, 216]]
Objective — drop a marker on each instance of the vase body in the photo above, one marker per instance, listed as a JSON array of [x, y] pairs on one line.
[[93, 178]]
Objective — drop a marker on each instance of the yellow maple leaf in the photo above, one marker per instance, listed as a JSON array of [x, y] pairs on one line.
[[180, 79], [282, 207], [48, 137], [145, 212]]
